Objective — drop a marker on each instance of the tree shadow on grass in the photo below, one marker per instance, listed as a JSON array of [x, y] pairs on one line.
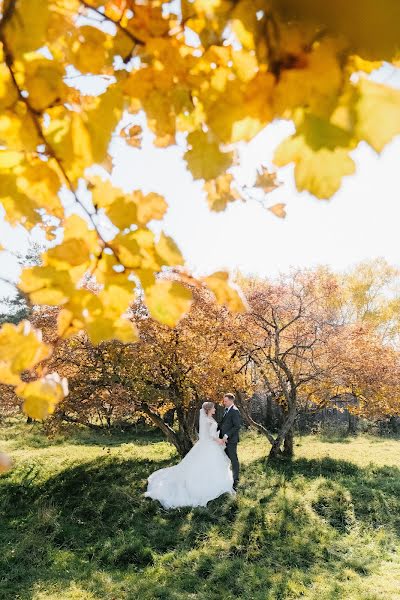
[[113, 438], [91, 524], [34, 436], [95, 516], [374, 491]]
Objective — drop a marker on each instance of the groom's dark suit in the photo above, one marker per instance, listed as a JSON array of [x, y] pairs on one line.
[[230, 426]]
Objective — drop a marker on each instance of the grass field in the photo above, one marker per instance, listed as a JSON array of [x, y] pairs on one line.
[[75, 526]]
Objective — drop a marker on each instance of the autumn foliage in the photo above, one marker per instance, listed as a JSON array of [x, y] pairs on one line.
[[217, 72], [308, 340]]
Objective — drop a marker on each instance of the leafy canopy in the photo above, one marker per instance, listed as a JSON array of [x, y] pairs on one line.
[[218, 71]]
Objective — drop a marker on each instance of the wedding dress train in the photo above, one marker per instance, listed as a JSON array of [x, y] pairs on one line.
[[202, 475]]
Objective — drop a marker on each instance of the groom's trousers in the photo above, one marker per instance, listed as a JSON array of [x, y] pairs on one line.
[[231, 451]]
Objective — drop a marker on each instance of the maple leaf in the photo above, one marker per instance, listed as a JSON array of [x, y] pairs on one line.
[[320, 152], [168, 301], [266, 180], [43, 79], [41, 396], [21, 348], [220, 192], [133, 136], [224, 291], [378, 113], [205, 159]]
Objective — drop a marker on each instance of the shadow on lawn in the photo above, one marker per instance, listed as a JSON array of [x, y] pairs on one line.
[[92, 519], [34, 436], [96, 514], [374, 491]]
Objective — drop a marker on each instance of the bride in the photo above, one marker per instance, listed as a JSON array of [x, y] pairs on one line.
[[202, 475]]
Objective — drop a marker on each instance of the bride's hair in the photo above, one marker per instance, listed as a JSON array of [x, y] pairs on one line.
[[207, 406]]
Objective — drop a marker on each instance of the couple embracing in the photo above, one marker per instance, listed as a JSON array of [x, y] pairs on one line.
[[210, 469]]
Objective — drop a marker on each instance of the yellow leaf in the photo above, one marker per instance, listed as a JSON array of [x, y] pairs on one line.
[[313, 81], [378, 113], [205, 159], [359, 64], [104, 193], [148, 22], [241, 111], [266, 180], [244, 23], [133, 136], [80, 139], [225, 292], [41, 396], [17, 130], [75, 227], [169, 251], [64, 320], [136, 250], [21, 348], [26, 31], [70, 139], [76, 249], [149, 207], [72, 251], [245, 64], [10, 159], [278, 210], [89, 52], [102, 119], [47, 285], [220, 192], [115, 299], [41, 184], [8, 93], [44, 82], [7, 376], [104, 329], [320, 152], [123, 212], [168, 301]]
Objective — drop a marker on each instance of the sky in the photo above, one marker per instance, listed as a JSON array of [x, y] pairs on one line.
[[360, 222]]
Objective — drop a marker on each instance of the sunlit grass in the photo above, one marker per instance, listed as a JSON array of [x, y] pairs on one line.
[[75, 526]]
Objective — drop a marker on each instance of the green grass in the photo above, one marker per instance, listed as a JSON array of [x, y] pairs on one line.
[[75, 526]]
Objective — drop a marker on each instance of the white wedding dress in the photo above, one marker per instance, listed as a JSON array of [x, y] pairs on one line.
[[202, 475]]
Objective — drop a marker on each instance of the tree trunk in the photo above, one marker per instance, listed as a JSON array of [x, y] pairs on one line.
[[180, 439], [285, 436], [184, 442], [275, 451], [352, 424], [186, 433], [288, 444]]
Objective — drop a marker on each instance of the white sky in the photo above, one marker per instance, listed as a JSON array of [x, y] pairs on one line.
[[360, 222]]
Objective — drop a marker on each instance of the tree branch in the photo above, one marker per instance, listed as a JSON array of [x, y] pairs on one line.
[[105, 17], [250, 421]]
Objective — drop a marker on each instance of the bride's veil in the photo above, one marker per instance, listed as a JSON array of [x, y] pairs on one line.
[[203, 425]]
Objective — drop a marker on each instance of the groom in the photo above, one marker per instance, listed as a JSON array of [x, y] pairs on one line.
[[228, 428]]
